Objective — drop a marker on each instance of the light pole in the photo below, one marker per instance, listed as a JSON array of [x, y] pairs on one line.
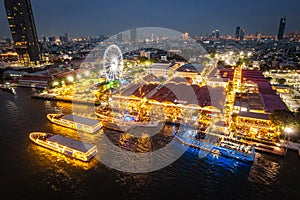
[[287, 131]]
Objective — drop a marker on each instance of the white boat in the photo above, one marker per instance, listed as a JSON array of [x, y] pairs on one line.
[[64, 145], [76, 122], [128, 120]]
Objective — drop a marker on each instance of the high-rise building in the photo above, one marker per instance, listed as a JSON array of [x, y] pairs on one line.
[[217, 34], [281, 28], [237, 32], [242, 34], [258, 37], [133, 35], [23, 31], [120, 37], [64, 38], [213, 34]]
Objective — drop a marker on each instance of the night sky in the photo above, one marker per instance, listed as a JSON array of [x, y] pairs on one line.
[[198, 17]]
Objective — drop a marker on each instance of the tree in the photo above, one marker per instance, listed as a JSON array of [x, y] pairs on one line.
[[282, 118], [281, 81], [269, 78]]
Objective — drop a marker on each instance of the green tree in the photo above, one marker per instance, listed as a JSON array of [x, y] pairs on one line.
[[281, 81], [282, 118]]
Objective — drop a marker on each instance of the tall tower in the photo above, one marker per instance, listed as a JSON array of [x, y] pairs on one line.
[[242, 34], [23, 31], [133, 35], [217, 34], [281, 28], [237, 33]]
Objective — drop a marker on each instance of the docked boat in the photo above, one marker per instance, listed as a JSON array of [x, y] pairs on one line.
[[76, 122], [64, 145], [128, 120], [223, 146]]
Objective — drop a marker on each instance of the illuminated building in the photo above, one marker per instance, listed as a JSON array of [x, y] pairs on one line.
[[185, 36], [281, 28], [22, 26]]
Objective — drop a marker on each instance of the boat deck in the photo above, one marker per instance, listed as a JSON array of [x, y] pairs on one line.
[[81, 120], [71, 143]]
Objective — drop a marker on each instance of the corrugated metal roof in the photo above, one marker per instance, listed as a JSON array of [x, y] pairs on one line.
[[81, 120], [71, 143]]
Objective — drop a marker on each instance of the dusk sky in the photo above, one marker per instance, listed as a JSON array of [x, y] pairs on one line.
[[197, 17]]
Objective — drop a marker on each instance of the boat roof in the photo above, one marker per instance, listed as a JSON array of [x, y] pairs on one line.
[[81, 120], [71, 143]]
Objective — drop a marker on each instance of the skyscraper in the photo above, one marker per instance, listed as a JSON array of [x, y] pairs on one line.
[[242, 34], [23, 31], [237, 32], [217, 34], [133, 35], [281, 28]]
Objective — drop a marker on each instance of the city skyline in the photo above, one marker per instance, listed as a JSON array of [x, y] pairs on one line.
[[59, 17]]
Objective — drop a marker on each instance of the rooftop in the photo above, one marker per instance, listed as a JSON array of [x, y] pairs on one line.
[[81, 120], [71, 143]]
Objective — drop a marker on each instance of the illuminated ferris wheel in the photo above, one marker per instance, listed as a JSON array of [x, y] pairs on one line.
[[113, 63]]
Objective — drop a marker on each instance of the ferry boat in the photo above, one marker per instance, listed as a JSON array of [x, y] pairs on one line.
[[67, 146], [128, 120], [76, 122], [223, 146]]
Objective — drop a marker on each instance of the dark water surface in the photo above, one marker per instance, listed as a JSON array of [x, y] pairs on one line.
[[32, 172]]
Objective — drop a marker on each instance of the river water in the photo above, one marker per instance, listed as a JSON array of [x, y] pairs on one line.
[[32, 172]]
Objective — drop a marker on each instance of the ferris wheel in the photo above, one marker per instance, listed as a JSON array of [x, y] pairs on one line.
[[113, 63]]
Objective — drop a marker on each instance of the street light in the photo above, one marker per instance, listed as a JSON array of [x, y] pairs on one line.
[[287, 130]]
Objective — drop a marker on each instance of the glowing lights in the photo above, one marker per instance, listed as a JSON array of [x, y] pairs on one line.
[[78, 76], [288, 130], [70, 78], [55, 83], [87, 73]]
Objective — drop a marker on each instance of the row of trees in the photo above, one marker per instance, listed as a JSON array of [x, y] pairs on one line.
[[283, 119]]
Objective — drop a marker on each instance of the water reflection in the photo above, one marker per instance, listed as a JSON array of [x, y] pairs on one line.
[[266, 166]]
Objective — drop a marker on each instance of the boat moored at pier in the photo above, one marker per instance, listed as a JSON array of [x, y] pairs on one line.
[[127, 120], [223, 146], [76, 122]]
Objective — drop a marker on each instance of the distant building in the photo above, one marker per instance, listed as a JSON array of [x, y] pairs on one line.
[[52, 39], [133, 35], [185, 36], [22, 27], [237, 32], [281, 28], [217, 34], [64, 38], [146, 54], [120, 37], [258, 37], [213, 34], [44, 39], [242, 34]]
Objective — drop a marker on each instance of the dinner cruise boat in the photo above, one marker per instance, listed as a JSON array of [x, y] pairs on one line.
[[65, 145], [223, 146], [127, 119], [76, 122]]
